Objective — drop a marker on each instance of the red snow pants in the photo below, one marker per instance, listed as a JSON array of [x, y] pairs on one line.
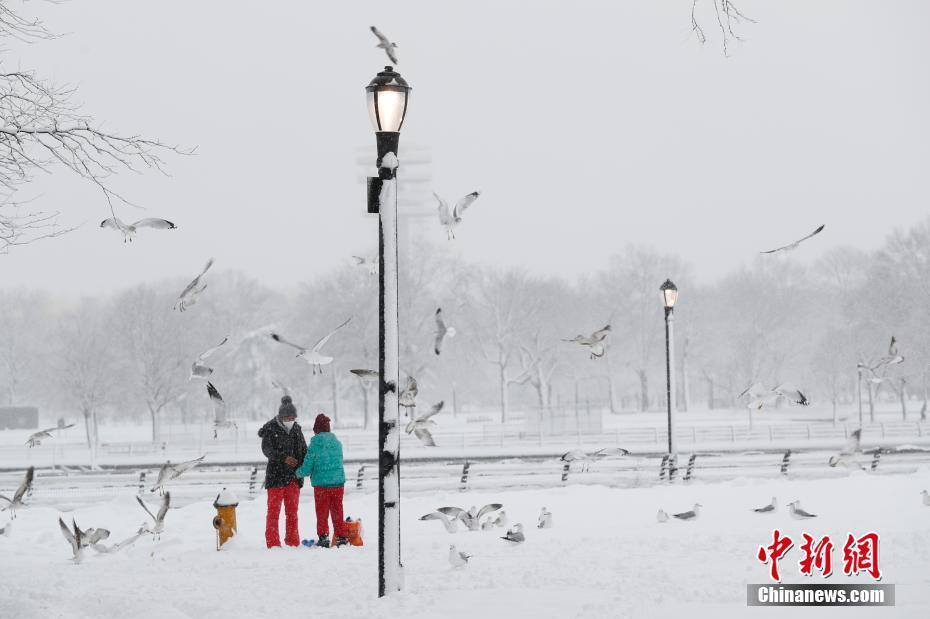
[[290, 495], [329, 502]]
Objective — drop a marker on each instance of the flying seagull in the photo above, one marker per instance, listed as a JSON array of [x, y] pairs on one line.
[[35, 439], [691, 514], [199, 370], [408, 397], [797, 513], [129, 230], [793, 245], [760, 396], [847, 455], [385, 44], [220, 420], [471, 518], [892, 358], [104, 549], [420, 425], [442, 331], [370, 263], [545, 519], [189, 295], [368, 377], [169, 472], [458, 559], [450, 219], [768, 509], [157, 520], [92, 536], [586, 458], [451, 524], [661, 515], [74, 538], [17, 500], [595, 341], [312, 355], [515, 535]]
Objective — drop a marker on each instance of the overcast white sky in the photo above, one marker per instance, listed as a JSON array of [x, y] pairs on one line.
[[587, 125]]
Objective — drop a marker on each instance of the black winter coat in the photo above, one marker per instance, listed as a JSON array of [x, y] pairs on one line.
[[278, 444]]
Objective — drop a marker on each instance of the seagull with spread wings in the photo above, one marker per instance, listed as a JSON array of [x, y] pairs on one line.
[[17, 500], [586, 458], [312, 355], [74, 538], [847, 455], [169, 472], [442, 331], [449, 219], [189, 295], [129, 230], [220, 418], [760, 395], [385, 44], [472, 517], [158, 521], [367, 377], [420, 426], [451, 524], [792, 246], [35, 439], [370, 263], [596, 341], [408, 397], [199, 369]]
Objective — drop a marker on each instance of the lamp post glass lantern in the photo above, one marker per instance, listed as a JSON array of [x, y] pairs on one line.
[[387, 97], [669, 298]]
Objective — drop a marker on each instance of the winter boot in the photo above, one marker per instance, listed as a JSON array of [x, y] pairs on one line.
[[340, 541], [323, 542]]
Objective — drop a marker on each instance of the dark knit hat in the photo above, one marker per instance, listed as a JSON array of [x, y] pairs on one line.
[[321, 424], [287, 408]]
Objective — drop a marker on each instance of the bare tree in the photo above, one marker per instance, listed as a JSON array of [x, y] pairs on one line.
[[729, 19], [42, 128], [86, 361]]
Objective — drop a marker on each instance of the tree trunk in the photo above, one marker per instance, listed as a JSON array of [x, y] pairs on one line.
[[643, 390], [503, 380], [611, 388], [87, 414], [868, 386], [455, 402], [96, 430], [335, 386], [364, 404], [903, 395], [833, 400], [153, 413]]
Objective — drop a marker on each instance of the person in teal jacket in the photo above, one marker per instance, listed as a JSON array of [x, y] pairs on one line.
[[323, 465]]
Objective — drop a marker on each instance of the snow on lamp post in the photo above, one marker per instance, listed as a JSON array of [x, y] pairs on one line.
[[387, 105], [669, 298]]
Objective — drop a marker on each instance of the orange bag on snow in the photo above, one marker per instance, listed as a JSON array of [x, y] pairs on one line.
[[354, 528]]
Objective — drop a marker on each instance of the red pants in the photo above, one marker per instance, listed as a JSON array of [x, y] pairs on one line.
[[329, 501], [290, 494]]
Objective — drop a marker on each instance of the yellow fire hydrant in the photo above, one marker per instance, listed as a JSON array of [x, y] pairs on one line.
[[225, 520]]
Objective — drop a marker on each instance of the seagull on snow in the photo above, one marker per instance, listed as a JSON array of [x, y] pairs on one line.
[[35, 439], [794, 245], [847, 455], [450, 219], [386, 44], [595, 341], [420, 425], [545, 519], [73, 538], [691, 514], [129, 230], [169, 472], [760, 396], [199, 370], [441, 331], [662, 515], [515, 535], [189, 295], [797, 513], [768, 509], [458, 559], [17, 500], [312, 355]]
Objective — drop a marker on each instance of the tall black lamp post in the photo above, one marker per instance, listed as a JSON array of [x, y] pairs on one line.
[[669, 297], [387, 105]]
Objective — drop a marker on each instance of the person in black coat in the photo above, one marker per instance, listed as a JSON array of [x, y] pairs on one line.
[[284, 445]]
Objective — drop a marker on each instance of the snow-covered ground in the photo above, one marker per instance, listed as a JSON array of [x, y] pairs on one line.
[[606, 556]]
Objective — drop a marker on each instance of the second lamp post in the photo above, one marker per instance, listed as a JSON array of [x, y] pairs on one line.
[[669, 297]]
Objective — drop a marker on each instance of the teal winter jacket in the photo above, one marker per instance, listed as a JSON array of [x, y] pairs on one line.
[[323, 462]]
